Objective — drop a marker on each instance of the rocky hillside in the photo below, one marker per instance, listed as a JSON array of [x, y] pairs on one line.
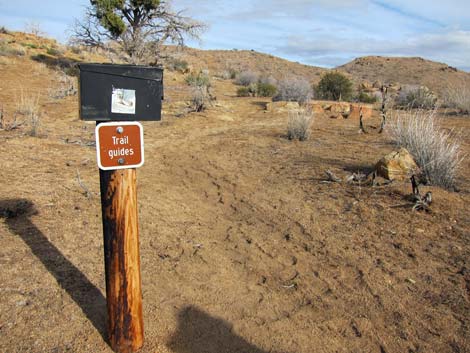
[[412, 71]]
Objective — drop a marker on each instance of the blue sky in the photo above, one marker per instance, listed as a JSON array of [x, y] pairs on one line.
[[316, 32]]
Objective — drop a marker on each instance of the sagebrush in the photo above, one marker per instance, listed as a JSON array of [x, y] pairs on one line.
[[246, 78], [413, 96], [435, 150], [457, 96], [200, 79], [294, 90], [298, 125]]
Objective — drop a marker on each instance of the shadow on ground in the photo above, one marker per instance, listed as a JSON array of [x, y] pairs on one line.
[[17, 213], [198, 332]]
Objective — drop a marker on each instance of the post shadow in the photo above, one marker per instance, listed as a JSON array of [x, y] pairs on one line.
[[198, 332], [17, 213]]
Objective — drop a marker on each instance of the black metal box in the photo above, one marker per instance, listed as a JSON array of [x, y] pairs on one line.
[[111, 92]]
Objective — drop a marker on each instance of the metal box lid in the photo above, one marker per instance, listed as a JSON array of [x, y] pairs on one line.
[[110, 92]]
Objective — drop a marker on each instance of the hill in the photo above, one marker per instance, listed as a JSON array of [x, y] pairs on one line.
[[218, 61], [399, 70]]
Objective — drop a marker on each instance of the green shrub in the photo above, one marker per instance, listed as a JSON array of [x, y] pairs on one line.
[[29, 45], [335, 86], [233, 73], [53, 51], [363, 97], [266, 90], [198, 80], [243, 92]]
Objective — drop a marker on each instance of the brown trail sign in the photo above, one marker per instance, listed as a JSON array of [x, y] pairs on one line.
[[123, 93], [119, 145]]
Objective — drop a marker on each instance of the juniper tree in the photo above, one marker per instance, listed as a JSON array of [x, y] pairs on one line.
[[138, 27], [335, 86]]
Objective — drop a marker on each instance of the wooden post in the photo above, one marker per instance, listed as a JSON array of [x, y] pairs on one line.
[[122, 260]]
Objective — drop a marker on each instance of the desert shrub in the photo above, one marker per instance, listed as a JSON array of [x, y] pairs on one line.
[[64, 86], [200, 90], [198, 80], [298, 125], [268, 80], [233, 73], [363, 97], [246, 78], [179, 65], [243, 92], [416, 97], [224, 75], [28, 106], [334, 86], [458, 96], [75, 49], [7, 50], [265, 90], [434, 149], [293, 90], [3, 30], [200, 98], [29, 45]]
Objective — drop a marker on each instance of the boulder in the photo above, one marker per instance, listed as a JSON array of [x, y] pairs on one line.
[[366, 86], [398, 165], [337, 107], [317, 108], [282, 106], [355, 111]]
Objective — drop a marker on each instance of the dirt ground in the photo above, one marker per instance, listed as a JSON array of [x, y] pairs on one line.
[[244, 247]]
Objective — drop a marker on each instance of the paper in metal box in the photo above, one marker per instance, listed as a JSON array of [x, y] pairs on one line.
[[111, 92]]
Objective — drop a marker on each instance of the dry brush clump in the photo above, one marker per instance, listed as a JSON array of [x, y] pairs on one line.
[[298, 125], [200, 90], [435, 150], [294, 90], [64, 86], [28, 107], [414, 96], [246, 78], [457, 96], [8, 50]]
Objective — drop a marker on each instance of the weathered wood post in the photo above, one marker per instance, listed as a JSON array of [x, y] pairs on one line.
[[122, 260], [115, 96]]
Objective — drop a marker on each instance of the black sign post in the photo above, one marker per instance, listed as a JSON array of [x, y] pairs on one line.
[[121, 93]]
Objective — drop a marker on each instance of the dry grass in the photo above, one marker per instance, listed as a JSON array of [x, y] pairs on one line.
[[458, 96], [298, 125], [28, 106], [434, 149]]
